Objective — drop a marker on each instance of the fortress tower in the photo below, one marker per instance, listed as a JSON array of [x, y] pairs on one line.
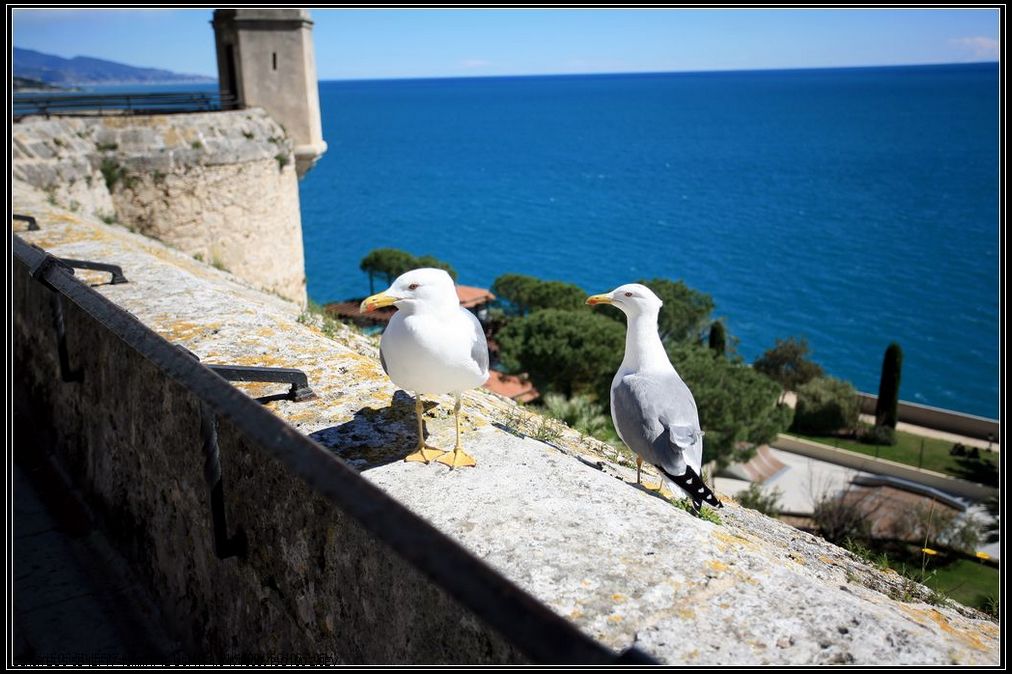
[[265, 59]]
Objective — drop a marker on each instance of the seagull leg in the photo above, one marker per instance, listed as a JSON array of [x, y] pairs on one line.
[[458, 457], [659, 489], [423, 452]]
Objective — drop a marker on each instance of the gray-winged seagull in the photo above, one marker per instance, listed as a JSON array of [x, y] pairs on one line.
[[653, 410]]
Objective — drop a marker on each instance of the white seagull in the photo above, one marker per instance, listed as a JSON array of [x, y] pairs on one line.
[[653, 410], [431, 345]]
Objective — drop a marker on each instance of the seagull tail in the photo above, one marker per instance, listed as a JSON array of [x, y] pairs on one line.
[[694, 486]]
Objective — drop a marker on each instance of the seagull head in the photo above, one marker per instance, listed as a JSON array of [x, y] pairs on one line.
[[416, 290], [632, 298]]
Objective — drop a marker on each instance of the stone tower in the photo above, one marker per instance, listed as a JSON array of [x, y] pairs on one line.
[[265, 59]]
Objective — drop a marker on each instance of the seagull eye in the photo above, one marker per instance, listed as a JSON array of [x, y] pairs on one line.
[[628, 294], [412, 286]]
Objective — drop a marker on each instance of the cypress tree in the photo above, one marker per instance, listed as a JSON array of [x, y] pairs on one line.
[[718, 338], [889, 387]]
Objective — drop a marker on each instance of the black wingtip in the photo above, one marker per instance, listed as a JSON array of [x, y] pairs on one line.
[[692, 484]]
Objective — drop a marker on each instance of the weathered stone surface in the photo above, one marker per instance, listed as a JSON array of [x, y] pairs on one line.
[[221, 186], [625, 566]]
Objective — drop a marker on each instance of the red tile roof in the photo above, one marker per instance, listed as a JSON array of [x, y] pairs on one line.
[[470, 297], [511, 386]]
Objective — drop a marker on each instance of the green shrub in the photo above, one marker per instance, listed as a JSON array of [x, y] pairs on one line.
[[754, 497], [841, 520], [580, 413], [878, 435], [826, 405]]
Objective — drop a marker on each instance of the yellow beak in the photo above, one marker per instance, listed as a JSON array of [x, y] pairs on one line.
[[375, 302], [599, 299]]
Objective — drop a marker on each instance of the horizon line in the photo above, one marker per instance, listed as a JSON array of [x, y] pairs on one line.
[[656, 72]]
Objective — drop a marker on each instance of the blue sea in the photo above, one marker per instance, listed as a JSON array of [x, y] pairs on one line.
[[852, 207]]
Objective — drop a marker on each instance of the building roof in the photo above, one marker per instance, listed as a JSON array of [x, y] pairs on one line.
[[471, 297], [511, 386]]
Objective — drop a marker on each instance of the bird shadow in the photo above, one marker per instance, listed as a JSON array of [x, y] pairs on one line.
[[376, 436]]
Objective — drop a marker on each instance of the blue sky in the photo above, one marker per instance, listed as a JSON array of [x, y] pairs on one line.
[[381, 43]]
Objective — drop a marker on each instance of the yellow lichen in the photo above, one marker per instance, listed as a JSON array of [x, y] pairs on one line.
[[717, 565], [924, 616]]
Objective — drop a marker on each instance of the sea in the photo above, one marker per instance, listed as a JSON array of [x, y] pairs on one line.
[[852, 207]]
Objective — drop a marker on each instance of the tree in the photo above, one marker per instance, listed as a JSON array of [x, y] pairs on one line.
[[737, 406], [388, 262], [392, 262], [686, 312], [826, 405], [512, 289], [525, 294], [555, 295], [685, 315], [718, 338], [564, 351], [429, 261], [889, 387], [787, 363]]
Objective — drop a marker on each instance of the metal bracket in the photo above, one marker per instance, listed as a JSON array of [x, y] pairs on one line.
[[114, 269], [38, 271], [224, 545], [66, 373], [33, 226], [299, 391]]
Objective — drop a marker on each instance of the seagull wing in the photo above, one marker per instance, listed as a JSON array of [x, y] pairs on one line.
[[479, 347], [656, 416]]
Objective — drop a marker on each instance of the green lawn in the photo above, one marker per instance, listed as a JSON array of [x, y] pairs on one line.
[[908, 450], [965, 580]]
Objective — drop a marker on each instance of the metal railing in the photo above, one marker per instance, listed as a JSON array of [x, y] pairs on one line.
[[528, 625], [125, 103]]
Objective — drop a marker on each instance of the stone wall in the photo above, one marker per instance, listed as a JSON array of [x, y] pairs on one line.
[[561, 519], [219, 186], [870, 464], [938, 419]]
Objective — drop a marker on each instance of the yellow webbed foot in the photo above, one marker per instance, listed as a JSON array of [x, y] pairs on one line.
[[457, 458], [658, 489], [425, 454]]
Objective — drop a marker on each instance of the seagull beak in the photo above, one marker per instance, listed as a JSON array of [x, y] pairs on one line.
[[599, 299], [377, 301]]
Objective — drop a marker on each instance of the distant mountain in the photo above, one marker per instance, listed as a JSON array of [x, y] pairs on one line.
[[56, 70], [28, 84]]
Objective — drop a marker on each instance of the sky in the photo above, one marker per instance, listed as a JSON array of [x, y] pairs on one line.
[[390, 43]]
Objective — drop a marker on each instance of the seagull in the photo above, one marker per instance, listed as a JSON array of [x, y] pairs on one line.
[[653, 410], [432, 345]]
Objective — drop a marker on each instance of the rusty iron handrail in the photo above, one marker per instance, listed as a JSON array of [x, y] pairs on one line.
[[528, 625]]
